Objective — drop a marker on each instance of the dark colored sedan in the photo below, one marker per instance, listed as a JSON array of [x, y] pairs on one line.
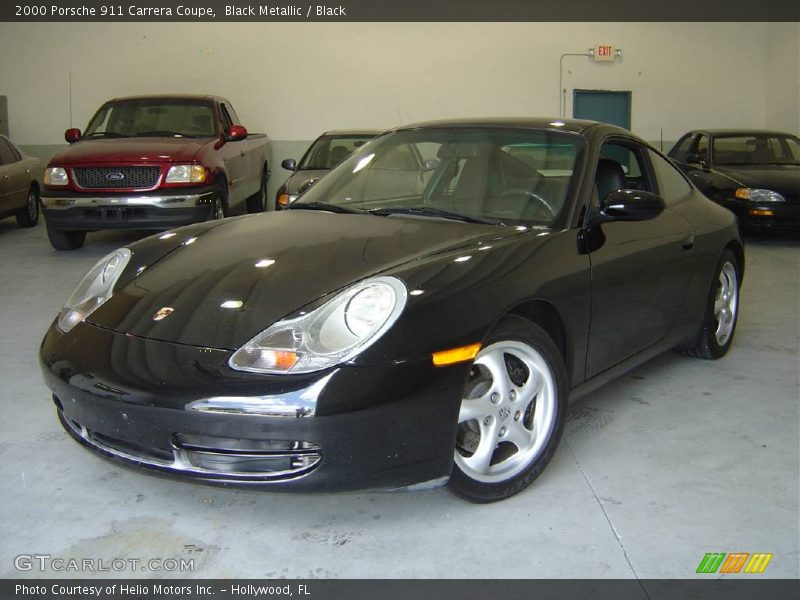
[[19, 189], [327, 151], [754, 173], [423, 314]]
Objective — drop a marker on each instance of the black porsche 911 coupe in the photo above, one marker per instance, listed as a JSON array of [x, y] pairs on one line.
[[423, 314]]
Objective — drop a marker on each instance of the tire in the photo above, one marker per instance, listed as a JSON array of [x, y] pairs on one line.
[[721, 313], [219, 207], [258, 201], [65, 240], [517, 393], [29, 216]]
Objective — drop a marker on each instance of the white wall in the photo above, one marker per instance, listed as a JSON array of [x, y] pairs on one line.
[[295, 80], [782, 88]]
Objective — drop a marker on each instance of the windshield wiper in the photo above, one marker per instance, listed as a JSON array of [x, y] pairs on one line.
[[162, 133], [427, 211], [113, 134], [336, 208]]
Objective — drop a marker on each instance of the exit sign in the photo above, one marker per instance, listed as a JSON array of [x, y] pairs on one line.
[[604, 52]]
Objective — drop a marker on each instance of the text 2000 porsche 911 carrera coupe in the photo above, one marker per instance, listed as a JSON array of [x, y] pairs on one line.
[[421, 315]]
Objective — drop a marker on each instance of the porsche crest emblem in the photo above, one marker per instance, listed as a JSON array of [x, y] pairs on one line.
[[163, 313]]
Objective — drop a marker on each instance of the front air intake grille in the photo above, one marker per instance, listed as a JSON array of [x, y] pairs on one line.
[[102, 178]]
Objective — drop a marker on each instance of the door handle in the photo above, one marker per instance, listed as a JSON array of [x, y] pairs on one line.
[[242, 153], [688, 242]]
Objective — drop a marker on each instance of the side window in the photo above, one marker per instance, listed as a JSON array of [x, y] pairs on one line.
[[232, 114], [672, 186], [681, 150], [226, 118], [620, 167], [7, 153], [702, 147]]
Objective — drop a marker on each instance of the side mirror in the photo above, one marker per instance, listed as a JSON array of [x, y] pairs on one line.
[[631, 205], [72, 135], [289, 164], [236, 133], [431, 164], [697, 159]]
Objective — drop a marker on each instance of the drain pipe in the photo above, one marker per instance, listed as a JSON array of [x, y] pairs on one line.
[[562, 98]]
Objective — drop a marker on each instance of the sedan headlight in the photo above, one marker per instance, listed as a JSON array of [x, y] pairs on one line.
[[334, 333], [756, 195], [186, 174], [94, 289], [55, 176]]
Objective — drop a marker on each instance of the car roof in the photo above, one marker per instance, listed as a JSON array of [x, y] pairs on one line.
[[207, 97], [725, 132], [354, 132], [552, 123]]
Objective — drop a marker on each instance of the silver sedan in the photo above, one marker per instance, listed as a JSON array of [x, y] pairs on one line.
[[19, 188]]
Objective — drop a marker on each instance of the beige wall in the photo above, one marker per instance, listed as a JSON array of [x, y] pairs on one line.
[[296, 80], [782, 88]]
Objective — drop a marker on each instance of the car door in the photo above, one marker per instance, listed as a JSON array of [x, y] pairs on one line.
[[13, 178], [235, 158], [638, 268]]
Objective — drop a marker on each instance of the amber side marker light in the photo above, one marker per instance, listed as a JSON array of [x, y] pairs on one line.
[[455, 355], [757, 212], [283, 200]]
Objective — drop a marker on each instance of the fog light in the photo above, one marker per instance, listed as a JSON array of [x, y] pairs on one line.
[[760, 212]]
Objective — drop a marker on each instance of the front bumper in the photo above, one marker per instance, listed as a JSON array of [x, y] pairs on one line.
[[773, 216], [131, 400], [65, 210]]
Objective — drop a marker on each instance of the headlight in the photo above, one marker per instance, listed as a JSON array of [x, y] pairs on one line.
[[94, 289], [755, 195], [334, 333], [286, 199], [55, 176], [186, 174]]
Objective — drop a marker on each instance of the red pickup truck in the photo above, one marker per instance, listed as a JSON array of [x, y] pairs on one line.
[[153, 162]]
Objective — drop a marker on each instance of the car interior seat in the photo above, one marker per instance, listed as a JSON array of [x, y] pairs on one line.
[[609, 177], [338, 154]]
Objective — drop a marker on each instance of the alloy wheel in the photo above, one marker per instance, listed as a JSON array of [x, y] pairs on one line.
[[507, 414], [726, 303]]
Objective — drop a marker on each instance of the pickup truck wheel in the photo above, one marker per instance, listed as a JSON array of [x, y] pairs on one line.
[[258, 201], [65, 240], [29, 216], [218, 211], [219, 208]]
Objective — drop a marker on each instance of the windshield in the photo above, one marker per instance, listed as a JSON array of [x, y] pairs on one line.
[[152, 117], [756, 149], [495, 175], [329, 150]]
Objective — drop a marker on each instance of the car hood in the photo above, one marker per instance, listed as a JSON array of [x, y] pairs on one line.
[[225, 284], [299, 178], [130, 150], [779, 178]]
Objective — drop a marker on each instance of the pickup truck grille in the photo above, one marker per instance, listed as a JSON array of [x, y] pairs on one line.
[[97, 178]]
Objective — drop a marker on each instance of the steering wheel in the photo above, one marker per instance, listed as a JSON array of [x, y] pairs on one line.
[[521, 191]]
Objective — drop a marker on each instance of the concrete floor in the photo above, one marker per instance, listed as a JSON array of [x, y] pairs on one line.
[[679, 458]]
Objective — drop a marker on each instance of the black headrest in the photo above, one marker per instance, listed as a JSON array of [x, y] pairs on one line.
[[609, 177]]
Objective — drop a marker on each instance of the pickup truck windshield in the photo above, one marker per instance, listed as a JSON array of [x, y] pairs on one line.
[[478, 175], [153, 117]]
